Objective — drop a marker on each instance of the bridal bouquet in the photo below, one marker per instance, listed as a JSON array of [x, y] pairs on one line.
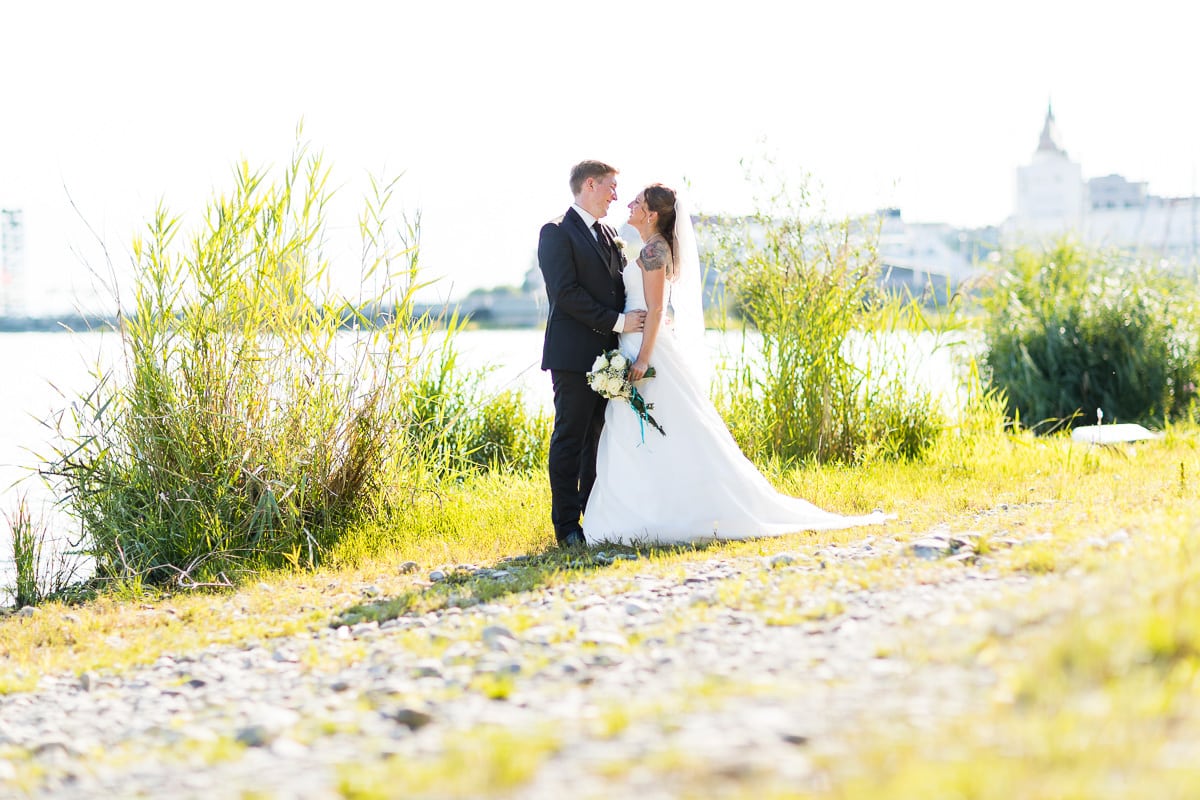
[[610, 378]]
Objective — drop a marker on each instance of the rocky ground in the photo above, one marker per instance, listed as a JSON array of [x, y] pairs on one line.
[[645, 678]]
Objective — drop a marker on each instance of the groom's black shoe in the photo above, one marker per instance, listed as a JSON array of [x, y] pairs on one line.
[[573, 540]]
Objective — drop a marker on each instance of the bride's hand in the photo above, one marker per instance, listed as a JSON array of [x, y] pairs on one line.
[[635, 321], [638, 370]]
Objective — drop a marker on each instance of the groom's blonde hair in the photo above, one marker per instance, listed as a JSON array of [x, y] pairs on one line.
[[589, 169]]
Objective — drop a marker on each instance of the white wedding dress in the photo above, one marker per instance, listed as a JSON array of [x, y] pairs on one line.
[[693, 484]]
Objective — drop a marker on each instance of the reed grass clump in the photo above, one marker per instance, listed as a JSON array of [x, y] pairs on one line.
[[461, 428], [1070, 330], [826, 382], [27, 553], [255, 415], [505, 436], [43, 568]]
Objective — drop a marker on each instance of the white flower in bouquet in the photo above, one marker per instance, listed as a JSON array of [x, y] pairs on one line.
[[610, 379]]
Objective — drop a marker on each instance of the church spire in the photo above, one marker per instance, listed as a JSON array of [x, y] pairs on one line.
[[1048, 143]]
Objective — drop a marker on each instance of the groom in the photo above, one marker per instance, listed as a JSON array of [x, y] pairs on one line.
[[581, 262]]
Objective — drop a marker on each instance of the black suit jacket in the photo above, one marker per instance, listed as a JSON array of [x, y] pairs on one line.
[[585, 291]]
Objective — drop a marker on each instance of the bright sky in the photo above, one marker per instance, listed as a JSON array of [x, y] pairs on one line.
[[928, 106]]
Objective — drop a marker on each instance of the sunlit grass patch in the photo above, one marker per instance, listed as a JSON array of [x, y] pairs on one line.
[[1097, 691], [23, 774], [476, 520], [1035, 501], [494, 686], [1036, 559], [485, 761], [1136, 740], [197, 749]]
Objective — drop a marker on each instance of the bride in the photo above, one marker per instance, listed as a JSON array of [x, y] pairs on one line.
[[693, 483]]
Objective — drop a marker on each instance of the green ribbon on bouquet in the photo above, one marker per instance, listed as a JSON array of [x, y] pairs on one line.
[[642, 409]]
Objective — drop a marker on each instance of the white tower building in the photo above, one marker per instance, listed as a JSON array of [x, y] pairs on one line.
[[1050, 189], [1108, 211]]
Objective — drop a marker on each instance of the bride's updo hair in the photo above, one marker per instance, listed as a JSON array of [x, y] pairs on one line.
[[661, 200]]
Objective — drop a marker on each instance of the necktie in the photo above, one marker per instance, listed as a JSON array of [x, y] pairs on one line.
[[600, 237]]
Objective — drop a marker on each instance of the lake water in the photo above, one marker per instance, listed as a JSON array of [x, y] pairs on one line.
[[44, 372]]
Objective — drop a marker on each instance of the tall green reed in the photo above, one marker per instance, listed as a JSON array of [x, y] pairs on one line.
[[1071, 329], [461, 428], [823, 384], [255, 415], [26, 548], [42, 571]]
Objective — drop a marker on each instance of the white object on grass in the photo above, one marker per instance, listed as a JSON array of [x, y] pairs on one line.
[[1113, 434]]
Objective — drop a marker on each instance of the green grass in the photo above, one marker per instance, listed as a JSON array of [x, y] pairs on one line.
[[1057, 492], [27, 556], [1072, 329], [825, 381], [255, 417], [473, 763], [245, 426]]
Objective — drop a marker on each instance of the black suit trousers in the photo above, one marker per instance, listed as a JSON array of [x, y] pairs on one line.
[[578, 419]]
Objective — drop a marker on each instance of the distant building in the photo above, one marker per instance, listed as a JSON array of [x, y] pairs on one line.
[[506, 306], [1053, 199], [926, 256], [1050, 189]]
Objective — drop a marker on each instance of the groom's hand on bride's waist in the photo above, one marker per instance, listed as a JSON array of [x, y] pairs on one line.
[[635, 321]]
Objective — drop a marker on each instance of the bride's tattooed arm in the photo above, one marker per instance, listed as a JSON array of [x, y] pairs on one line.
[[655, 255]]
